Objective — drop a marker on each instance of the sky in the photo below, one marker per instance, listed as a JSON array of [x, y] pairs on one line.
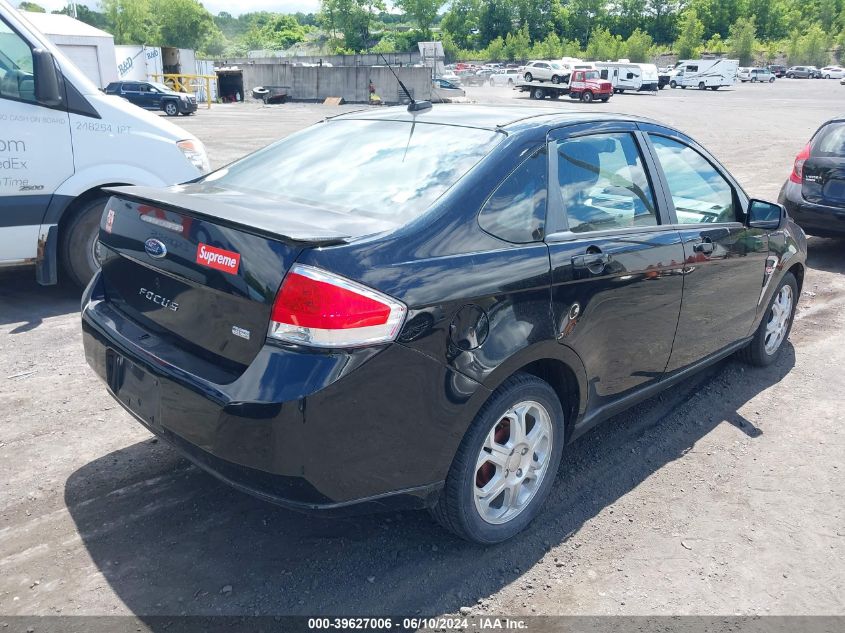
[[216, 6]]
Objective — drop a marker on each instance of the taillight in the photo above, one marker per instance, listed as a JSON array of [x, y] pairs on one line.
[[315, 307], [797, 174]]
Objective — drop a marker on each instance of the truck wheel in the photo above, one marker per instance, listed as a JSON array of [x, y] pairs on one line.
[[506, 463], [673, 84], [587, 96], [538, 93], [701, 85], [556, 79], [79, 241], [529, 77], [171, 109]]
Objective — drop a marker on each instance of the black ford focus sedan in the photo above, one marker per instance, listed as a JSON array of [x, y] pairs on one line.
[[397, 309]]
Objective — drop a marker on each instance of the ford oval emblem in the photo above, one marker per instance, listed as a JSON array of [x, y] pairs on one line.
[[155, 248]]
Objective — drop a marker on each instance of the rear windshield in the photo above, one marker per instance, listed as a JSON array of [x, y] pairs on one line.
[[384, 169], [830, 141]]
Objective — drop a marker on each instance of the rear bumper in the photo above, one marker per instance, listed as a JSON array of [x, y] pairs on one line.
[[337, 432], [815, 219]]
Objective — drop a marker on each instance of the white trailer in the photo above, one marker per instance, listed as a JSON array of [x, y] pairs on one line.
[[625, 75], [704, 73]]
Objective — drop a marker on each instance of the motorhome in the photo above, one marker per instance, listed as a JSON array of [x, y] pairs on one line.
[[62, 143], [704, 73], [625, 75]]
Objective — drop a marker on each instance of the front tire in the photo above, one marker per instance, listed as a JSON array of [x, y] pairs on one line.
[[79, 240], [774, 329], [506, 464], [529, 77], [702, 85], [171, 109], [555, 79], [673, 84], [587, 97]]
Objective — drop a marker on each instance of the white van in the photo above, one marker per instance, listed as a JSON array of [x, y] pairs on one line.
[[704, 73], [61, 142], [625, 75]]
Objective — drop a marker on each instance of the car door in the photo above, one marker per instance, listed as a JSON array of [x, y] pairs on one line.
[[725, 260], [36, 154], [616, 260], [131, 91]]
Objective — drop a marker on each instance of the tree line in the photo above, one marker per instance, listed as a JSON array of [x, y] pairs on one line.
[[495, 30]]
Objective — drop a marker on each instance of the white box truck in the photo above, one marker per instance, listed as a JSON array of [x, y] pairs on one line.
[[704, 73], [626, 75], [61, 142]]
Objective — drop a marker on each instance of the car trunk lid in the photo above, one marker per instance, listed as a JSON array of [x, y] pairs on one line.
[[202, 267], [823, 180]]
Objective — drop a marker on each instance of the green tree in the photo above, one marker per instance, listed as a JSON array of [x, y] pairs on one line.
[[638, 46], [690, 32], [89, 16], [348, 21], [278, 33], [495, 20], [716, 45], [742, 40], [31, 6], [811, 47], [663, 16], [182, 23], [130, 21], [461, 22], [517, 45], [604, 46], [422, 12]]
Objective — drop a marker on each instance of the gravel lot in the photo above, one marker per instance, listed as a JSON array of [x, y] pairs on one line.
[[722, 496]]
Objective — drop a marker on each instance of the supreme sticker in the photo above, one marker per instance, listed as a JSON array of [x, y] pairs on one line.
[[219, 259]]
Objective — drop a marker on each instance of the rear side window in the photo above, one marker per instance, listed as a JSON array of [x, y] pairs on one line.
[[830, 141], [388, 170], [516, 212], [701, 194], [603, 183]]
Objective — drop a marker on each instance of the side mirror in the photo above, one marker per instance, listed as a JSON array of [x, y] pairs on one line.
[[765, 215], [48, 84]]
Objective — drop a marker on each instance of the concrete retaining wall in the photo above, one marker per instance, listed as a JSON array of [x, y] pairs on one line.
[[315, 83], [368, 59]]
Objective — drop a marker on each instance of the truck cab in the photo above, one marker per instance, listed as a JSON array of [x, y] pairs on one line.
[[62, 143], [587, 85]]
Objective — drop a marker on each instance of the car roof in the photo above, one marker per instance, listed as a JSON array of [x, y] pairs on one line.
[[489, 117]]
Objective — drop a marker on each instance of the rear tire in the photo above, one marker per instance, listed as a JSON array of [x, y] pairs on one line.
[[79, 239], [529, 77], [538, 93], [555, 79], [673, 84], [522, 402], [776, 325]]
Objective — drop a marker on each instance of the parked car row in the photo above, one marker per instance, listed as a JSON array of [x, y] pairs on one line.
[[755, 75]]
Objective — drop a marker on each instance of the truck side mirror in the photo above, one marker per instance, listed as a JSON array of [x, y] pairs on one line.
[[765, 215], [48, 84]]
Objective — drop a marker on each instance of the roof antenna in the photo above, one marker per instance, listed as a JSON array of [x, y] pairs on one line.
[[413, 106]]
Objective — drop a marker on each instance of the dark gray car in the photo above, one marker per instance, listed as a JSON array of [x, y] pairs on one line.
[[804, 72]]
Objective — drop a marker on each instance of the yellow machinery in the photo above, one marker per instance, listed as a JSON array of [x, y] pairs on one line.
[[188, 83]]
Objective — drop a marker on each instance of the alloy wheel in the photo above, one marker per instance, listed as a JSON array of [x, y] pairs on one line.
[[513, 462], [778, 322]]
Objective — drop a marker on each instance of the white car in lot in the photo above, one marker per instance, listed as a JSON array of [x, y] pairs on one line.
[[755, 75], [505, 77], [833, 72], [544, 71], [443, 91]]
